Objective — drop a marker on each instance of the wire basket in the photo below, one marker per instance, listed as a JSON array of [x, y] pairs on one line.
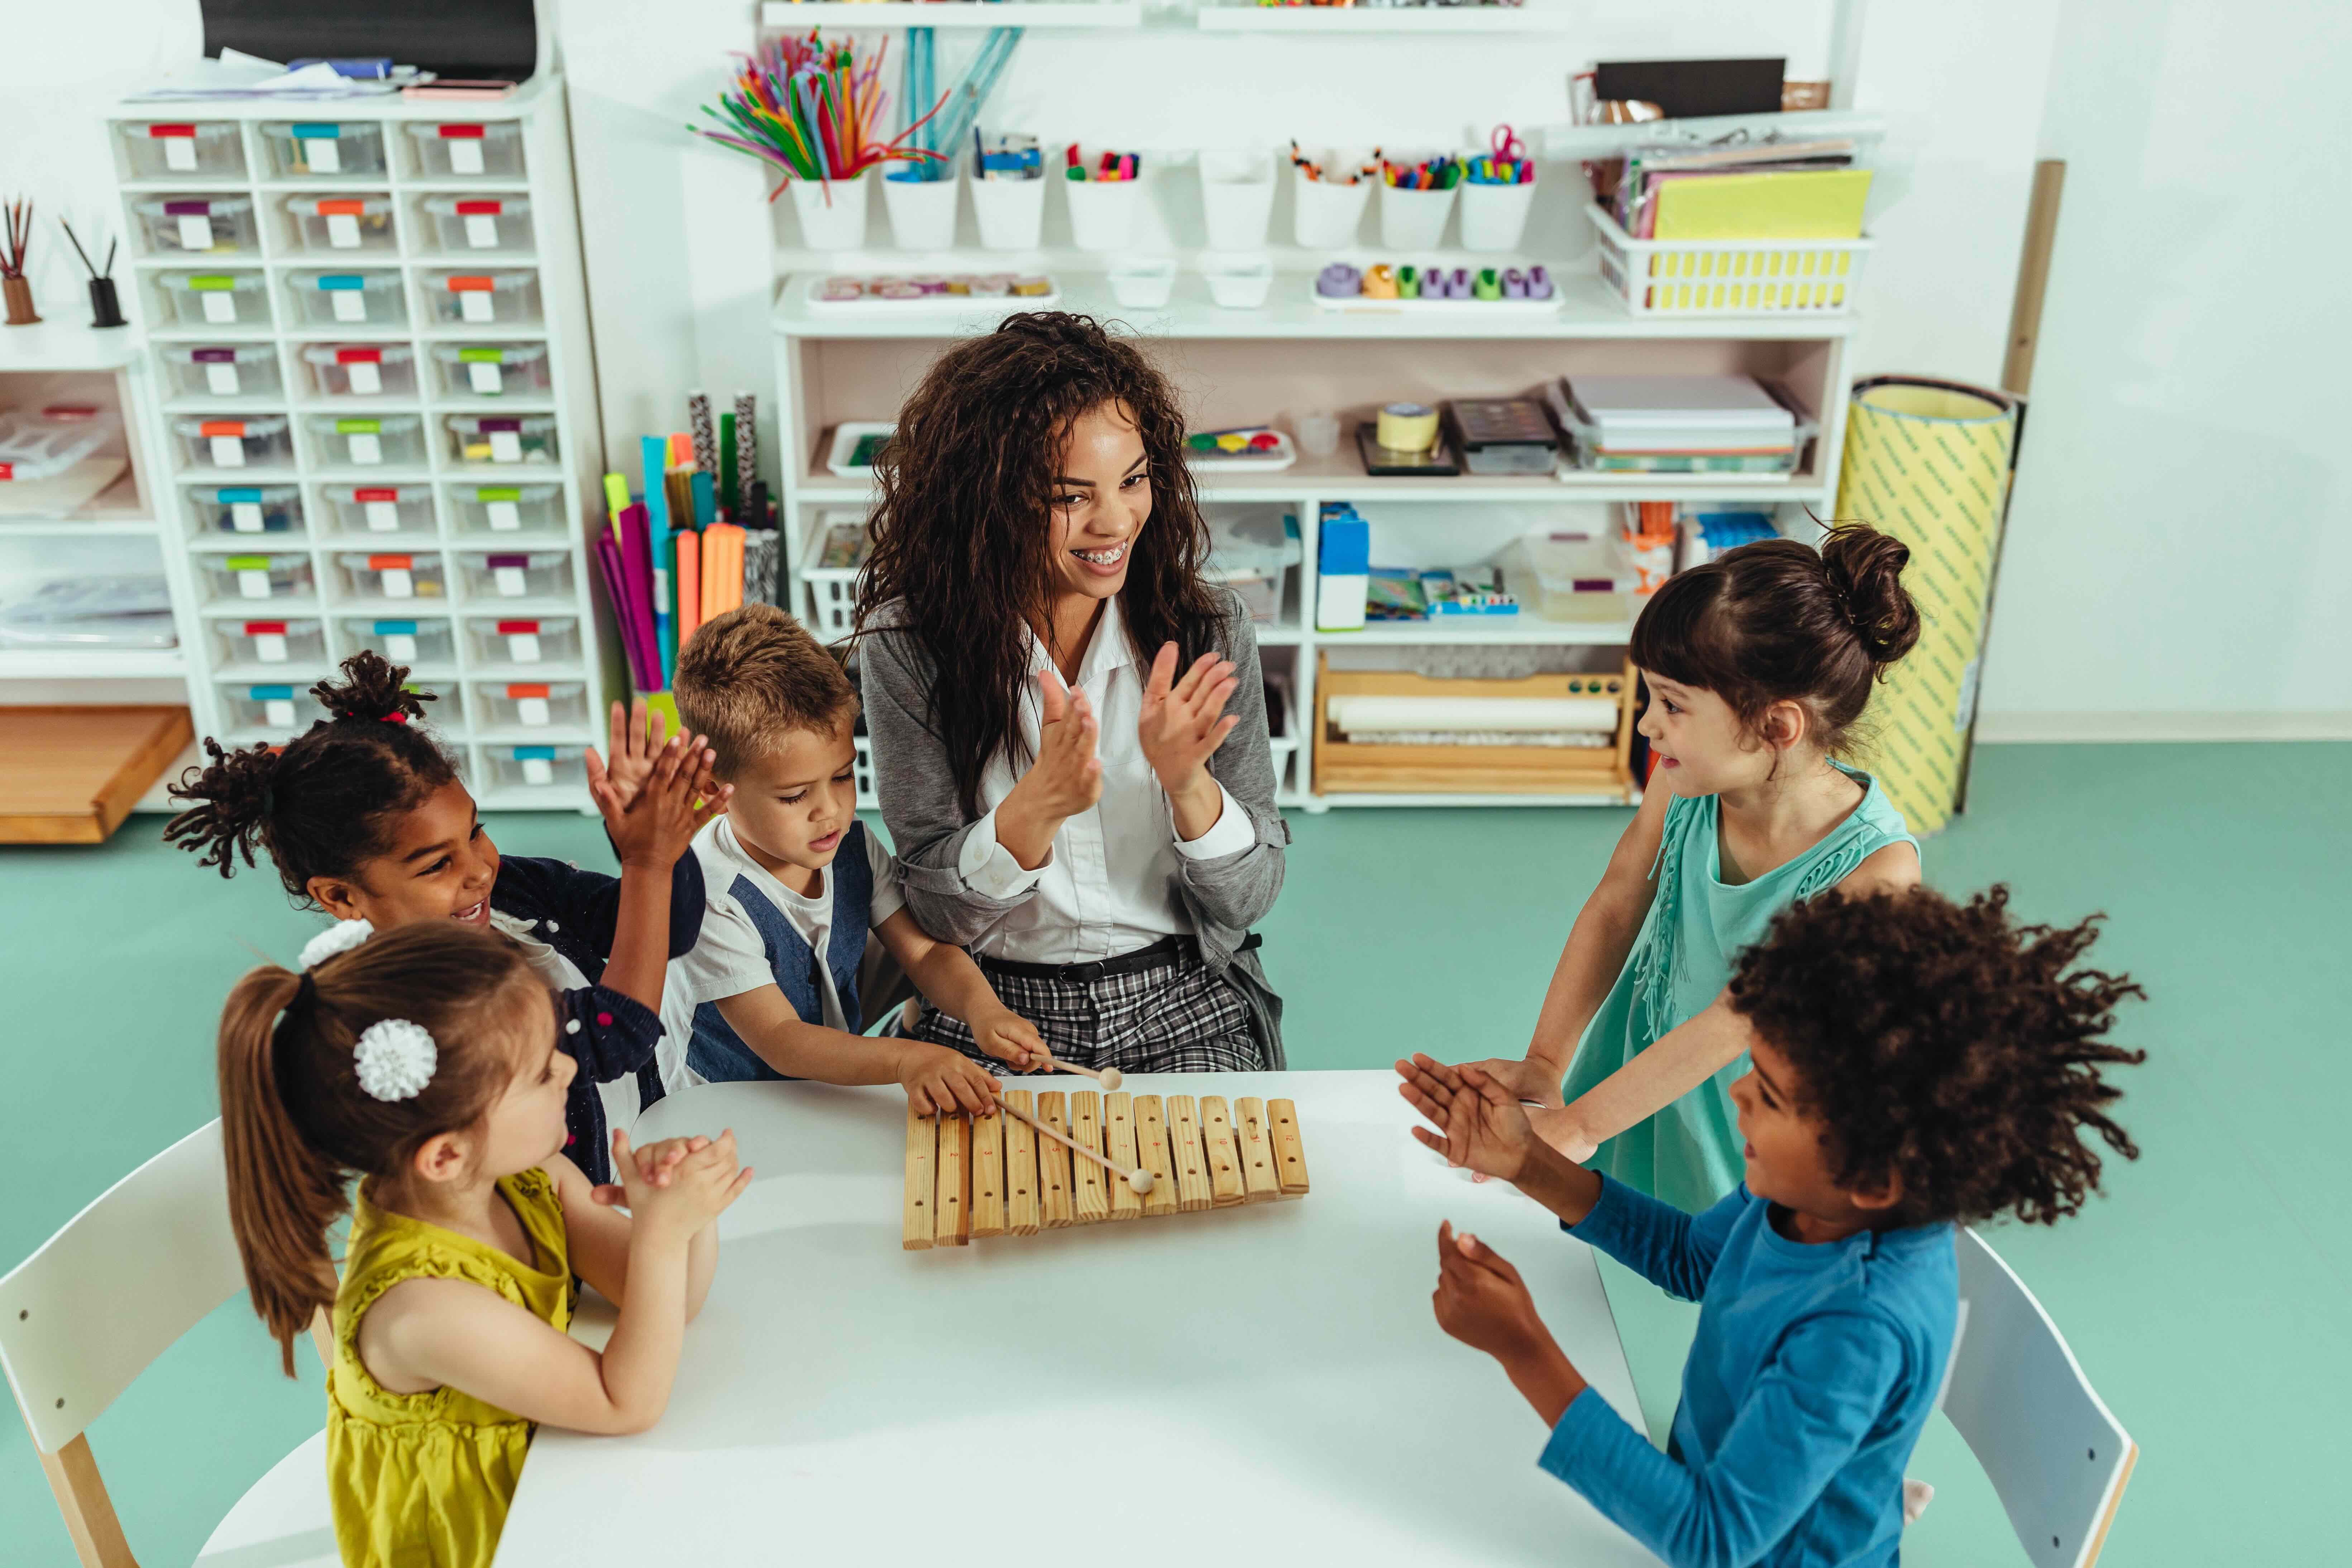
[[1730, 277]]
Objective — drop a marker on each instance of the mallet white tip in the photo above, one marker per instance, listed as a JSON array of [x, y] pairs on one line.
[[1110, 1079], [1140, 1179]]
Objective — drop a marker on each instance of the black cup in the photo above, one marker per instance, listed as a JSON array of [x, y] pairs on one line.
[[105, 305]]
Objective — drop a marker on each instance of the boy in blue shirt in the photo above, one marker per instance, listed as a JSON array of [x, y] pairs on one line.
[[1915, 1063]]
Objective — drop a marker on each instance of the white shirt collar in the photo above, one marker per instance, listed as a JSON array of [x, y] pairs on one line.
[[1108, 650]]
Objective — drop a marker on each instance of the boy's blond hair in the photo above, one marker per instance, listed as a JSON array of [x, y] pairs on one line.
[[750, 677]]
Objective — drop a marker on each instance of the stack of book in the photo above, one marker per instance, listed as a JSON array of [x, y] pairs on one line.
[[1677, 424], [1783, 190]]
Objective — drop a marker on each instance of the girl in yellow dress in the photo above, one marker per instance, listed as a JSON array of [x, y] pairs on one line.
[[425, 1062]]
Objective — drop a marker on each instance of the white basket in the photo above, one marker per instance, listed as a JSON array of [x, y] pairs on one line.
[[1730, 277], [831, 591]]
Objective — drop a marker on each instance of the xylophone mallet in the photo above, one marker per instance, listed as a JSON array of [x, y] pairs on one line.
[[1139, 1179], [1106, 1077]]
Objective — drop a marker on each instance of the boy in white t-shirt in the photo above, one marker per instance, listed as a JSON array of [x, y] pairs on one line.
[[771, 987]]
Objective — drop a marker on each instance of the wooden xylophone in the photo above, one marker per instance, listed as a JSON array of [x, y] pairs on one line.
[[977, 1176]]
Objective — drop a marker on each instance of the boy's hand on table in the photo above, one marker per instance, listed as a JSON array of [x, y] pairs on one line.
[[1481, 1300], [1009, 1037], [939, 1081]]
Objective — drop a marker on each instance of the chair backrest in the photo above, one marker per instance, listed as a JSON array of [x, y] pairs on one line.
[[2054, 1454]]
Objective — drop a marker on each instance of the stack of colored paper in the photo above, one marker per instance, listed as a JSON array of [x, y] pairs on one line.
[[1677, 423]]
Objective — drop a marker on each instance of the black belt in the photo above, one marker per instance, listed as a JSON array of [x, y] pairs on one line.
[[1167, 950]]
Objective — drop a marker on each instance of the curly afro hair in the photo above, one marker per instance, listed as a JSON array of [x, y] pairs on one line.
[[1945, 1044]]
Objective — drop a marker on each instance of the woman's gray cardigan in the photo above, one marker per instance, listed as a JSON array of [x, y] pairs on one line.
[[1224, 896]]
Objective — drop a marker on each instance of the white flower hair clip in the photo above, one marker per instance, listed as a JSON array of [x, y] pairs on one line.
[[338, 938], [394, 1058]]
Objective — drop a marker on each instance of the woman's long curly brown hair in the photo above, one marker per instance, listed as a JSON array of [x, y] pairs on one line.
[[1945, 1044], [962, 532]]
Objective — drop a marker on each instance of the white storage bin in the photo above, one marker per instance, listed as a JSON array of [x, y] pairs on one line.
[[281, 709], [922, 212], [1143, 282], [245, 509], [299, 641], [423, 641], [233, 578], [1236, 197], [508, 509], [837, 549], [1414, 220], [168, 150], [1495, 218], [490, 148], [538, 767], [1571, 577], [343, 224], [246, 441], [1252, 552], [1326, 214], [402, 574], [225, 370], [373, 441], [361, 370], [493, 370], [1011, 212], [196, 225], [524, 640], [301, 149], [1730, 277], [516, 574], [482, 298], [381, 509], [531, 705], [1102, 212], [480, 223], [349, 298], [500, 438], [833, 212], [215, 298]]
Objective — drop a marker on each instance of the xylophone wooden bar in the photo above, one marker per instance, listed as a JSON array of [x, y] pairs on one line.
[[1225, 1159], [1092, 1199], [1290, 1153], [1152, 1149], [1118, 1144], [922, 1146], [952, 1214], [1054, 1196], [1257, 1151], [988, 1175], [1192, 1162], [1020, 1167]]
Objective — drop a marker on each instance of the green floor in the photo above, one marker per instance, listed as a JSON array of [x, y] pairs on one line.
[[2206, 1295]]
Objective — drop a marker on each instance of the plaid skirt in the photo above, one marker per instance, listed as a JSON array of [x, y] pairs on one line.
[[1173, 1017]]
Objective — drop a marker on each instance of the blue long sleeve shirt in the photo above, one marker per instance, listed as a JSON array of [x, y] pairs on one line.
[[1812, 1373]]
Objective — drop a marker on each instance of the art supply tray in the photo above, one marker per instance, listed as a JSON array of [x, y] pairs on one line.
[[1251, 459], [983, 291], [1472, 306], [841, 456]]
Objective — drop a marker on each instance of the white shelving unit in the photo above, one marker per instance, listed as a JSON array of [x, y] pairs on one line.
[[468, 576]]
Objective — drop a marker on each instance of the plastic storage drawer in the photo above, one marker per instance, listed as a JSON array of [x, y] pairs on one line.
[[252, 578], [425, 641], [196, 225], [493, 370], [381, 509], [249, 441], [361, 370], [373, 441], [417, 574], [483, 299], [480, 223], [537, 767], [349, 298], [523, 640], [223, 371], [501, 438], [531, 705], [524, 575], [303, 148], [490, 148], [509, 509], [245, 509], [343, 225], [269, 641], [281, 709], [215, 298], [169, 150]]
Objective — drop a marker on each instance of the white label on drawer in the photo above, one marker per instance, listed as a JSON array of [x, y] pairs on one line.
[[270, 648], [532, 710], [343, 231], [195, 232], [367, 379], [400, 645], [474, 305], [505, 515], [220, 379], [323, 153], [245, 516], [506, 446], [350, 304], [367, 450], [384, 516], [228, 451], [279, 711], [179, 153], [482, 231], [465, 154], [537, 771], [483, 376], [253, 585], [399, 583], [523, 647], [511, 583], [220, 305]]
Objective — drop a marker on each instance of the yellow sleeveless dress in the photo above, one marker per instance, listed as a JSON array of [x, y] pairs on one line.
[[423, 1481]]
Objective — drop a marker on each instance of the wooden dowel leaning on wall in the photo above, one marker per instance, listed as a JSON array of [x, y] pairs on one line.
[[2032, 276]]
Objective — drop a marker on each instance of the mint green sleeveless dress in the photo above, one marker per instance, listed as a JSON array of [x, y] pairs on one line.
[[1688, 1153]]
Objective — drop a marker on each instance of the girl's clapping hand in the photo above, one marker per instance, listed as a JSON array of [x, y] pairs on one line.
[[655, 825], [693, 1190], [637, 736]]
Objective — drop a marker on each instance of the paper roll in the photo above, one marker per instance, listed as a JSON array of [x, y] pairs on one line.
[[1371, 715], [1407, 427]]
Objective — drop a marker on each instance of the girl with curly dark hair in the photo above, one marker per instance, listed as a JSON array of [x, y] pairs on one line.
[[1757, 666], [365, 818], [1069, 732], [1918, 1065]]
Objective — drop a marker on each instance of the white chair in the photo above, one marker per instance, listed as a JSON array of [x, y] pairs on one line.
[[89, 1312], [2055, 1455]]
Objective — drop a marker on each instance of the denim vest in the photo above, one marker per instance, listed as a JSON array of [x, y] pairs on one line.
[[716, 1052]]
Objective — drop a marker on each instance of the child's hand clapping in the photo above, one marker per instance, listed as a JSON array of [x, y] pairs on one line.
[[661, 816], [1480, 1299], [656, 1162], [1066, 777], [939, 1081], [1184, 721], [637, 736], [1485, 1127], [691, 1190]]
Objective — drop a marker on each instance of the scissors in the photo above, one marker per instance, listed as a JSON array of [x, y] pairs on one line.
[[1504, 145]]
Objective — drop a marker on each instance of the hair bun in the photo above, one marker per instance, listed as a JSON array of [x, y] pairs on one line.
[[1865, 568], [373, 690]]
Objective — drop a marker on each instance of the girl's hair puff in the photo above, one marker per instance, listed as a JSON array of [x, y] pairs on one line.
[[295, 1124], [321, 806]]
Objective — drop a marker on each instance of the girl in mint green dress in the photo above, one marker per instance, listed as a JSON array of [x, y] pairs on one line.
[[1757, 666]]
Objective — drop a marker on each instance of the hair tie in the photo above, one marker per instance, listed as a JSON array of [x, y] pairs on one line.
[[338, 938], [304, 992], [394, 1059], [398, 716]]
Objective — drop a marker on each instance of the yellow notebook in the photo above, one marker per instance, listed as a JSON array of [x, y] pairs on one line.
[[1792, 205]]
